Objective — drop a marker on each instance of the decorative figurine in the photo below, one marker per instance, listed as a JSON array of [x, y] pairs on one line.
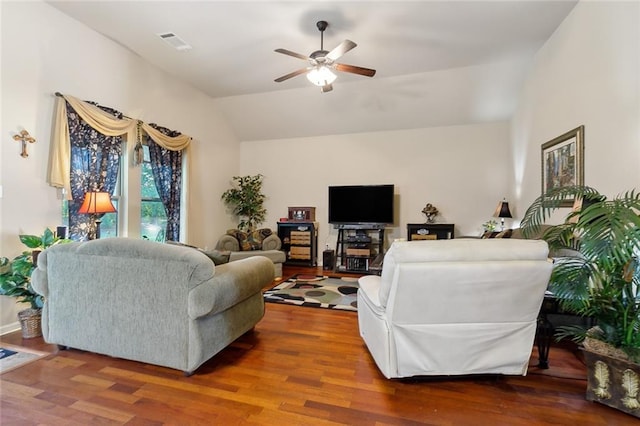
[[430, 211]]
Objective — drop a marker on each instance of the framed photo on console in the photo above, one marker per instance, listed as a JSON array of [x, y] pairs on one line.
[[563, 161]]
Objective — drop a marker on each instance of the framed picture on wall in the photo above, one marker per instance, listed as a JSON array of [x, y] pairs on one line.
[[563, 161]]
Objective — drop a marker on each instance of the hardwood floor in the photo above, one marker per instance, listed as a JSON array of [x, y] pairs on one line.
[[300, 366]]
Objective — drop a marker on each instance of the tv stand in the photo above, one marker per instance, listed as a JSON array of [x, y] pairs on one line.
[[360, 248], [361, 226]]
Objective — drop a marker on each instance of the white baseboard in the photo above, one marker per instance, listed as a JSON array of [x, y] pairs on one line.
[[9, 328]]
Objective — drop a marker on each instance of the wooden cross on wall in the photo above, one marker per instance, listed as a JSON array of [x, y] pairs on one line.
[[24, 137]]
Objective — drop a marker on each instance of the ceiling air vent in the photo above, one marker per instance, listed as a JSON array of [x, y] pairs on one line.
[[174, 41]]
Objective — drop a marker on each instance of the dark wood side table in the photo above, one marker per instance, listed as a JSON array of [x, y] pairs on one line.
[[546, 328], [429, 231]]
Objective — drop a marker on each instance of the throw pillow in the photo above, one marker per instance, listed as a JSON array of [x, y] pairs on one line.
[[252, 240], [502, 234], [218, 257], [242, 238], [257, 237], [178, 243]]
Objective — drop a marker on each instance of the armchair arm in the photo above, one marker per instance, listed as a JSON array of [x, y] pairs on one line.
[[228, 243], [272, 242]]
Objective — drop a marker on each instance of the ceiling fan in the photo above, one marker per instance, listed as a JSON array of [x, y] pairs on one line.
[[322, 62]]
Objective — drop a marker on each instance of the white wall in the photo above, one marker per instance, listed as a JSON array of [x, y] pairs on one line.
[[462, 170], [587, 73], [44, 51]]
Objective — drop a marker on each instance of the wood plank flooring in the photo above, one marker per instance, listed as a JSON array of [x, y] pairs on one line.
[[299, 366]]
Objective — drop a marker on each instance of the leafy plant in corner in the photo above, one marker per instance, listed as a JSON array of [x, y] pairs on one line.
[[598, 274], [247, 201], [15, 275]]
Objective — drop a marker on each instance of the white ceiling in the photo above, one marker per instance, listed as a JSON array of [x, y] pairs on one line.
[[438, 62]]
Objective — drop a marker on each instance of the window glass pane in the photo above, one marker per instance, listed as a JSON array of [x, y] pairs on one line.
[[154, 220], [149, 190], [109, 224], [65, 211]]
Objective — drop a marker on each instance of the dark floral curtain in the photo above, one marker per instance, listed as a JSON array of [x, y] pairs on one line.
[[95, 161], [166, 166]]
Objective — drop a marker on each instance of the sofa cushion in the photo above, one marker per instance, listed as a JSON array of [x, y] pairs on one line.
[[276, 256]]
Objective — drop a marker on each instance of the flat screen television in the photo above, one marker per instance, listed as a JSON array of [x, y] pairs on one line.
[[361, 204]]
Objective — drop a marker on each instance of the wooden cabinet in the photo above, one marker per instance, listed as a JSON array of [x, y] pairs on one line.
[[299, 242], [359, 249], [429, 231]]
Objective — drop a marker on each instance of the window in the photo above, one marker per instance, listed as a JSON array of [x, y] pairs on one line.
[[147, 192], [153, 217]]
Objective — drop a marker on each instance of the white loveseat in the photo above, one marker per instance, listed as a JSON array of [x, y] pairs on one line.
[[454, 307]]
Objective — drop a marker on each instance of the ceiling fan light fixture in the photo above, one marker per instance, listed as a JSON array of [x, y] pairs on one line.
[[321, 76], [323, 63]]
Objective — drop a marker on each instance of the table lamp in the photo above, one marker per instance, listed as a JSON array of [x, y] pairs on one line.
[[502, 211], [96, 203]]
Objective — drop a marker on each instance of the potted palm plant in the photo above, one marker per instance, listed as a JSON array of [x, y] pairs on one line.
[[15, 280], [247, 201], [598, 276]]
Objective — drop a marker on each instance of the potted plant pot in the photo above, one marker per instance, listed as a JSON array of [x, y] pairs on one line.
[[30, 322], [613, 379]]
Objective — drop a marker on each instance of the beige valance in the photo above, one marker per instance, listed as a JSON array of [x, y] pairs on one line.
[[177, 143], [60, 152]]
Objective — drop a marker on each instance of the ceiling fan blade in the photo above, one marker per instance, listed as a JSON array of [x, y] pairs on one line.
[[294, 54], [367, 72], [326, 88], [291, 75], [342, 48]]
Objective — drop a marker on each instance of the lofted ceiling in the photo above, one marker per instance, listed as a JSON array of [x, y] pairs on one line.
[[438, 63]]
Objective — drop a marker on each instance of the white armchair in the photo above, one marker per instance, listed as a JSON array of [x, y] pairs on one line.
[[454, 307]]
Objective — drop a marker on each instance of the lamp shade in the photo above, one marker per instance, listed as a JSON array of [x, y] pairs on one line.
[[97, 202], [502, 210], [321, 76]]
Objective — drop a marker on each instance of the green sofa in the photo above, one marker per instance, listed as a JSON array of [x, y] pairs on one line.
[[140, 300]]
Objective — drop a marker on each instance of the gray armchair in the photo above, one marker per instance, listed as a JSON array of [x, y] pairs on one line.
[[262, 242]]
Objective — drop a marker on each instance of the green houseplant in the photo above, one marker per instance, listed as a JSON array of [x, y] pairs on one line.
[[15, 279], [247, 200], [598, 276]]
